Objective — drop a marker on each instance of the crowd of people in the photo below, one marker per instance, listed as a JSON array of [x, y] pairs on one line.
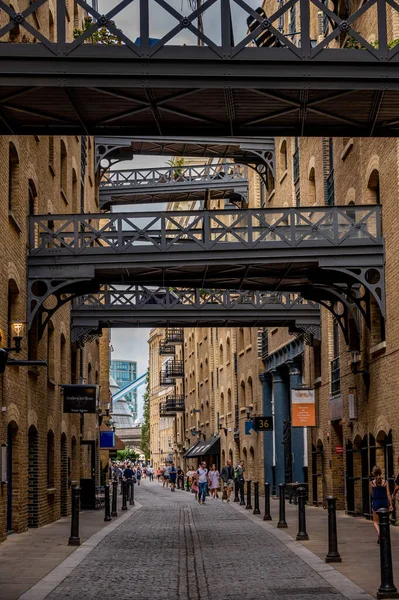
[[130, 472]]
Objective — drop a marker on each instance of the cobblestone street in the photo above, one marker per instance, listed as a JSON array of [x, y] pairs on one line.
[[174, 548]]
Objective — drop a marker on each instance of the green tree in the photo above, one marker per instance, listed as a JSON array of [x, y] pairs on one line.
[[145, 428], [127, 454]]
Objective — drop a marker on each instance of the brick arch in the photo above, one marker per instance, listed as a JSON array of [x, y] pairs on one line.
[[32, 419], [350, 196], [320, 436], [13, 274], [359, 430], [50, 423], [373, 165], [381, 425], [64, 427], [311, 165], [13, 414]]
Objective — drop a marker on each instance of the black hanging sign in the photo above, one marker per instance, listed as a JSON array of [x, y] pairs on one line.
[[80, 398], [263, 423]]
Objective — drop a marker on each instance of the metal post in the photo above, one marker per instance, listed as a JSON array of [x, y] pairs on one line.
[[187, 484], [131, 499], [236, 491], [333, 554], [242, 501], [282, 523], [74, 539], [249, 505], [301, 535], [256, 498], [387, 588], [114, 498], [107, 504], [124, 494], [267, 516]]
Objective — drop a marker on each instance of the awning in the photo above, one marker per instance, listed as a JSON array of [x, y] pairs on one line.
[[206, 448]]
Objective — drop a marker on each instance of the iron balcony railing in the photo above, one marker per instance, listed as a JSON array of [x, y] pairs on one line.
[[166, 349], [174, 368], [204, 230], [335, 376], [174, 335], [164, 411], [175, 403], [166, 380]]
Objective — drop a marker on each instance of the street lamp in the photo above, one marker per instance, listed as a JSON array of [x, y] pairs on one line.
[[17, 329]]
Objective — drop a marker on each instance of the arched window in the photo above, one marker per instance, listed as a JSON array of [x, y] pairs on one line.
[[64, 168], [229, 404], [312, 186], [50, 459], [240, 338], [250, 391], [75, 192], [13, 178], [228, 350], [373, 188], [63, 362], [283, 157], [222, 406], [242, 394], [51, 31], [221, 355]]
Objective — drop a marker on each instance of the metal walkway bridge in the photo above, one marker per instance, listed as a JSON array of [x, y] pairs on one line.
[[324, 253], [175, 184], [278, 79], [136, 306]]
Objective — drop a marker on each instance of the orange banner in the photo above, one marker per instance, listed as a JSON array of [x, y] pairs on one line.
[[303, 408]]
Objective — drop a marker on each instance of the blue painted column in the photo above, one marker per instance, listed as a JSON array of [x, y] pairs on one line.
[[267, 397], [281, 414], [297, 433]]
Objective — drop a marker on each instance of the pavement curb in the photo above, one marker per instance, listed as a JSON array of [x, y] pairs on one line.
[[334, 578], [45, 586]]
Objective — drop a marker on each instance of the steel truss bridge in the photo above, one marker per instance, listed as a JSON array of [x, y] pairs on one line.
[[270, 81], [332, 255], [136, 306], [175, 184]]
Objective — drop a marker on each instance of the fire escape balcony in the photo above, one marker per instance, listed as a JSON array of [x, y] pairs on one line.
[[166, 380], [174, 335], [174, 368], [164, 411], [166, 349], [175, 403]]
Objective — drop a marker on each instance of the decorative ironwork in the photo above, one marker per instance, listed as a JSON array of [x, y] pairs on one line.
[[165, 411], [308, 333], [174, 335], [166, 349], [84, 335], [174, 368], [166, 380], [122, 86], [175, 403], [143, 186], [331, 250]]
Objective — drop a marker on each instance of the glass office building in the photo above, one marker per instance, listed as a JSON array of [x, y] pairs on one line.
[[125, 371]]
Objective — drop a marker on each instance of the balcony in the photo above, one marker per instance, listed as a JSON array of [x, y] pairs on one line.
[[174, 335], [175, 403], [166, 380], [174, 368], [166, 349], [164, 411]]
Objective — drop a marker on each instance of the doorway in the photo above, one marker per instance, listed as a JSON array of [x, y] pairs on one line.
[[12, 432], [64, 476], [33, 477]]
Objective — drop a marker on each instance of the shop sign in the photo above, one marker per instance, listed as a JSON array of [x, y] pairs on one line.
[[336, 408], [81, 399], [249, 426], [339, 449], [107, 439], [263, 423], [303, 407]]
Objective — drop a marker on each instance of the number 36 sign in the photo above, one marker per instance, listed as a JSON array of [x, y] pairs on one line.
[[263, 423]]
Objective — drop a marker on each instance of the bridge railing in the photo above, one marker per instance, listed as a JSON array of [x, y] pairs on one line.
[[218, 29], [172, 176], [205, 230]]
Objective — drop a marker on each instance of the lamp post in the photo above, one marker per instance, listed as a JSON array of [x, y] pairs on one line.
[[16, 334]]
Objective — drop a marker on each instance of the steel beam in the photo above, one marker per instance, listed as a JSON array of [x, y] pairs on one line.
[[165, 184]]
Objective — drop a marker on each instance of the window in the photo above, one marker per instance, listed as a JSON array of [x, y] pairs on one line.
[[51, 31], [75, 192], [373, 188], [312, 186], [13, 177], [64, 168], [283, 157], [50, 459], [335, 365]]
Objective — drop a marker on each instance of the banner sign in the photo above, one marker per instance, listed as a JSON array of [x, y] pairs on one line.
[[263, 423], [303, 407], [107, 439], [80, 398]]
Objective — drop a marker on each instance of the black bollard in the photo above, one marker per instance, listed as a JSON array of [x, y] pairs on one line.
[[302, 534], [107, 504], [267, 516], [236, 490], [242, 501], [387, 588], [187, 484], [114, 498], [124, 495], [256, 498], [282, 523], [74, 539], [249, 505], [333, 554], [182, 483], [131, 499]]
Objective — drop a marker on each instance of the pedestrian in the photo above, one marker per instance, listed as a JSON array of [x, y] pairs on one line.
[[380, 497], [202, 473], [165, 474], [239, 472], [180, 479], [194, 484], [159, 473], [138, 474], [213, 478], [172, 477], [227, 476]]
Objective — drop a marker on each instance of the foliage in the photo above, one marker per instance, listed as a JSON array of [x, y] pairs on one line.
[[352, 43], [127, 454], [178, 163], [100, 36], [145, 428]]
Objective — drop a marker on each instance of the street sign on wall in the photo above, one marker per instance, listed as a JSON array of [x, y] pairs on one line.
[[303, 407], [80, 398], [263, 423]]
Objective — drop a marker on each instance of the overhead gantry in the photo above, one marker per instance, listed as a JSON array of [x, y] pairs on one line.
[[247, 74], [332, 255], [199, 183]]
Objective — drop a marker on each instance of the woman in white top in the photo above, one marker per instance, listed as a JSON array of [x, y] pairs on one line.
[[213, 478]]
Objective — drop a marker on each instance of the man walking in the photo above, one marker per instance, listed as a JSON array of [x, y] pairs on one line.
[[227, 476], [202, 482]]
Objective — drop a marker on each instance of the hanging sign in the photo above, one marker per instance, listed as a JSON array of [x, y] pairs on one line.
[[80, 398], [107, 439], [263, 423], [303, 407], [249, 426]]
